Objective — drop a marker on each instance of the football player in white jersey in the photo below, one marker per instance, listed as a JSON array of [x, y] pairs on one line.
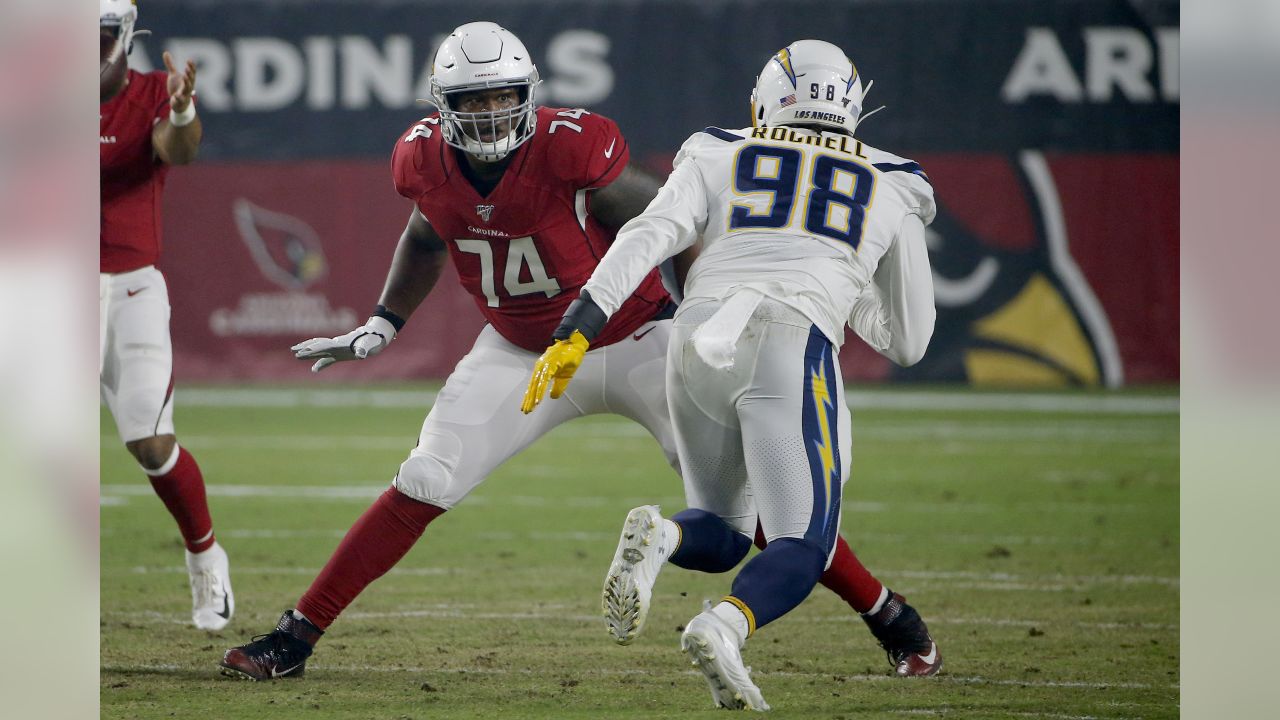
[[803, 229]]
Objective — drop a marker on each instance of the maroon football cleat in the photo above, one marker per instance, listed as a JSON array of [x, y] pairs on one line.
[[905, 638], [281, 653]]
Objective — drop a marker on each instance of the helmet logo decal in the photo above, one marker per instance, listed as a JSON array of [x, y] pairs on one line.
[[788, 100], [783, 58]]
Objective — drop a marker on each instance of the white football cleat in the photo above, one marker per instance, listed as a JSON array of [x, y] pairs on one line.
[[642, 551], [712, 647], [212, 603]]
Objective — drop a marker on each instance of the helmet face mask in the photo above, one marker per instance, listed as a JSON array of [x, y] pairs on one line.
[[809, 82], [482, 56]]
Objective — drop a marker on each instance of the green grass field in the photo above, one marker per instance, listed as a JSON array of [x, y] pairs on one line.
[[1040, 545]]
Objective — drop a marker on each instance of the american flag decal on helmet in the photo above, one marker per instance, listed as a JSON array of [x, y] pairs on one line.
[[484, 211], [788, 100]]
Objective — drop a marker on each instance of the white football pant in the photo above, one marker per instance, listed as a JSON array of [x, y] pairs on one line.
[[769, 436], [135, 364], [476, 423]]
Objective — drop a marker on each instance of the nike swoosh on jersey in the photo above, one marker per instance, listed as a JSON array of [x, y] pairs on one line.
[[637, 336], [609, 153], [131, 293]]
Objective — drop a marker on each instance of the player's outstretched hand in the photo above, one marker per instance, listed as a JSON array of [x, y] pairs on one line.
[[365, 341], [555, 368], [181, 85]]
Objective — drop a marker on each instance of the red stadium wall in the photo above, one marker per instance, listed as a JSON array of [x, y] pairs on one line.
[[262, 255]]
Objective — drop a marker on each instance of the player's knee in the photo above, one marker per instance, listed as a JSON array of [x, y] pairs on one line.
[[805, 559], [154, 452], [708, 543], [426, 478]]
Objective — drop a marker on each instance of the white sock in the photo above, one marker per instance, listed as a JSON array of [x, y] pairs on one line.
[[884, 598], [732, 616]]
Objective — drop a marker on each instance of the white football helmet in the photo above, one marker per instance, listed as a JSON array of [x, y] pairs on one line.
[[809, 82], [482, 56], [120, 16]]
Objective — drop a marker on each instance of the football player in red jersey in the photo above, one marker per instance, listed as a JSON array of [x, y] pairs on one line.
[[147, 125], [525, 200]]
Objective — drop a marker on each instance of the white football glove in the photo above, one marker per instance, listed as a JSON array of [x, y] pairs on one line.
[[365, 341]]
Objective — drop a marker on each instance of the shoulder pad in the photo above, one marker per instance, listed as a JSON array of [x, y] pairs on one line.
[[909, 176], [583, 149]]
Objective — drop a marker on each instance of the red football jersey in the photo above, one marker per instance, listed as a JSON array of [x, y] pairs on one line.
[[132, 177], [525, 250]]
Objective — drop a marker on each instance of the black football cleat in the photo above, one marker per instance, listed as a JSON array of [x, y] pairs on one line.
[[281, 653], [905, 638]]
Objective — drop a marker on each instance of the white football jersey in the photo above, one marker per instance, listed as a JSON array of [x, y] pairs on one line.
[[798, 215]]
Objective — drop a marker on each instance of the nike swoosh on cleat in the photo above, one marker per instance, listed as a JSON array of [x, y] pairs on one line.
[[609, 153], [226, 604], [637, 336], [932, 657], [275, 673]]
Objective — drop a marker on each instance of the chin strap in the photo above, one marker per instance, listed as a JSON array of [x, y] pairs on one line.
[[865, 93]]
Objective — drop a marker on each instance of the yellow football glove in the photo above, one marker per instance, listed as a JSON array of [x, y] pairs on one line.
[[556, 368]]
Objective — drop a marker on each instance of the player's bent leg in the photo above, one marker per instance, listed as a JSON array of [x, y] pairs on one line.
[[778, 579], [373, 545], [176, 478], [707, 543], [474, 426]]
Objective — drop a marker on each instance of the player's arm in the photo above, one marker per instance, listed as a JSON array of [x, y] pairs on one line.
[[671, 223], [419, 259], [416, 266], [615, 204], [176, 139], [623, 200], [895, 313]]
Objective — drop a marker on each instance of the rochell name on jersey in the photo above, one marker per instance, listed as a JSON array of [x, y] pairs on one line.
[[830, 142]]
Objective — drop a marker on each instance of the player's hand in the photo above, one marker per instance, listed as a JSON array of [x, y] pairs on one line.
[[555, 368], [365, 341], [181, 85]]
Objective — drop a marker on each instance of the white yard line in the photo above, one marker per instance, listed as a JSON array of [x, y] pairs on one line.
[[896, 399]]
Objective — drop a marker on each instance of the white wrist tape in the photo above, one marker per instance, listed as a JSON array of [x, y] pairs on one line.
[[180, 119]]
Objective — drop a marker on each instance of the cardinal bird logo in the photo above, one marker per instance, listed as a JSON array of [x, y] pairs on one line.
[[286, 249], [484, 211], [1014, 308]]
